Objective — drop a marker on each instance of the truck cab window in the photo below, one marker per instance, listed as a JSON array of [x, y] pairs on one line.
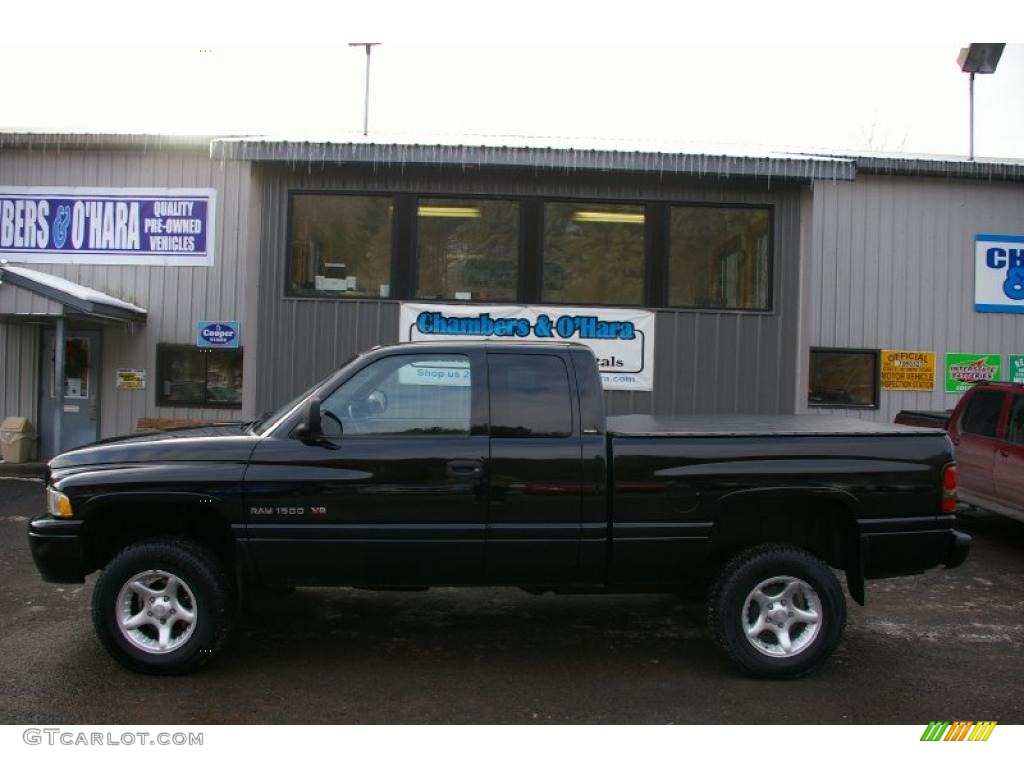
[[403, 395], [982, 415], [529, 396], [1015, 424]]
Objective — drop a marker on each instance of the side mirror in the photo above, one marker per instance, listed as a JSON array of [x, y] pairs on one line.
[[310, 426]]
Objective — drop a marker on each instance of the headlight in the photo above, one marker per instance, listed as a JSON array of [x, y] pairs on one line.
[[57, 503]]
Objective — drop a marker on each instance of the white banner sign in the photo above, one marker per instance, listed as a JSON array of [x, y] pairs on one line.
[[622, 339]]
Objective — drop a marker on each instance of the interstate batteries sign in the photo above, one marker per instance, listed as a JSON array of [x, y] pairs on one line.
[[965, 369], [622, 339], [93, 225], [999, 273]]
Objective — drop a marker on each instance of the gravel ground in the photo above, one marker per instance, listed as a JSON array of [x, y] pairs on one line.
[[944, 645]]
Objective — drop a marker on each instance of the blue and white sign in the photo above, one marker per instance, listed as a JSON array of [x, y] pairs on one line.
[[218, 334], [99, 225], [999, 273], [622, 339]]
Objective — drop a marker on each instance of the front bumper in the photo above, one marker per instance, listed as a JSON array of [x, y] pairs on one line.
[[927, 544], [57, 549]]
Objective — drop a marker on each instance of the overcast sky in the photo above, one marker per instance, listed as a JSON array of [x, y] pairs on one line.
[[770, 75]]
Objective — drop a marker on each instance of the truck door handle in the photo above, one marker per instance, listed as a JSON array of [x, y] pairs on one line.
[[1003, 452], [463, 470]]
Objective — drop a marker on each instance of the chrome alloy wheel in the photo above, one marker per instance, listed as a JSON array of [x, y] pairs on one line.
[[782, 616], [156, 611]]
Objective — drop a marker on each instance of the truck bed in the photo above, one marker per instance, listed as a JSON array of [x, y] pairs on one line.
[[639, 425]]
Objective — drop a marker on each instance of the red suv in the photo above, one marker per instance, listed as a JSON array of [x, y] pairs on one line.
[[987, 430]]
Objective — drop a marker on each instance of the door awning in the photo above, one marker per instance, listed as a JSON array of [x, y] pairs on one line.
[[27, 293]]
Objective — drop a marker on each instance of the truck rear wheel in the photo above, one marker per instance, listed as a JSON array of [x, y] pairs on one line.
[[163, 606], [777, 611]]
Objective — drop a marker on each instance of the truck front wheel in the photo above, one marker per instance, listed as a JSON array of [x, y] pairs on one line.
[[162, 606], [777, 611]]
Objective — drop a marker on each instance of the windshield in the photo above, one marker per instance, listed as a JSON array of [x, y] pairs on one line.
[[269, 419]]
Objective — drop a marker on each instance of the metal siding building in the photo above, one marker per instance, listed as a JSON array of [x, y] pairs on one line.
[[175, 297], [870, 253], [892, 267], [706, 361]]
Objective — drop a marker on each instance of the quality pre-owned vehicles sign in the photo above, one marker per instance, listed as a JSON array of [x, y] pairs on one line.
[[90, 225], [622, 339], [999, 273]]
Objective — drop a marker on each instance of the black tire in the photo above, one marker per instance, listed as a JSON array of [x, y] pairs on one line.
[[204, 593], [733, 608]]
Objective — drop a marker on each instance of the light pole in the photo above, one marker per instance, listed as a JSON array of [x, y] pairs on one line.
[[366, 103], [978, 59]]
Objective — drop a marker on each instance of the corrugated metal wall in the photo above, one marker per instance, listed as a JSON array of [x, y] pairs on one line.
[[705, 362], [19, 371], [893, 268], [176, 297]]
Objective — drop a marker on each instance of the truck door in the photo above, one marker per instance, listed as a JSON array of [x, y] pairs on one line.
[[1008, 475], [974, 441], [535, 470], [394, 492]]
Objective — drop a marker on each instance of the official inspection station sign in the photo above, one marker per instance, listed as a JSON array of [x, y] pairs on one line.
[[965, 369], [100, 225], [905, 369], [999, 273], [622, 339]]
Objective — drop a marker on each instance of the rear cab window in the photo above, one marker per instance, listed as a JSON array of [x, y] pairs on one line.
[[530, 396]]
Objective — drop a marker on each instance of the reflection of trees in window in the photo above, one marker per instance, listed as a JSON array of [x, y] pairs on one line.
[[593, 253], [340, 245], [467, 247], [843, 378], [191, 376], [718, 257]]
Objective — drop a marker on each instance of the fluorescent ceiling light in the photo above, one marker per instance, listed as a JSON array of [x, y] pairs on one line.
[[449, 212], [608, 217]]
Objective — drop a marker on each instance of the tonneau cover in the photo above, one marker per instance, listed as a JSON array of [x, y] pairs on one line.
[[640, 425]]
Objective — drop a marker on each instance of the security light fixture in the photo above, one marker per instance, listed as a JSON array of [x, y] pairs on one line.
[[978, 59]]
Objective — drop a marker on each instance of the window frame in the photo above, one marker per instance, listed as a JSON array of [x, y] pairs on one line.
[[163, 348], [414, 244], [876, 384], [394, 268], [1002, 415], [656, 247], [769, 209]]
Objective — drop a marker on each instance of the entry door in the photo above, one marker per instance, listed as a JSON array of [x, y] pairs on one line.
[[1009, 469], [975, 444], [394, 491], [536, 471], [79, 415]]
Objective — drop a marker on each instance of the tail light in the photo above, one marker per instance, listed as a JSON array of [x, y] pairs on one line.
[[949, 488]]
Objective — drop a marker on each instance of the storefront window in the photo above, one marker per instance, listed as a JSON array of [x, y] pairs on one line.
[[719, 257], [340, 246], [189, 376], [844, 378], [467, 250], [593, 254]]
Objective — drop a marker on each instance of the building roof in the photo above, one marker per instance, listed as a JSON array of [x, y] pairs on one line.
[[78, 298], [537, 153], [555, 153]]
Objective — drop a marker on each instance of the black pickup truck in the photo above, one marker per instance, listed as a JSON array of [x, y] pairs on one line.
[[493, 464]]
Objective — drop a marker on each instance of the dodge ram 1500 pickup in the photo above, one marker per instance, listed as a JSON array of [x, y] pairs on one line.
[[481, 463]]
